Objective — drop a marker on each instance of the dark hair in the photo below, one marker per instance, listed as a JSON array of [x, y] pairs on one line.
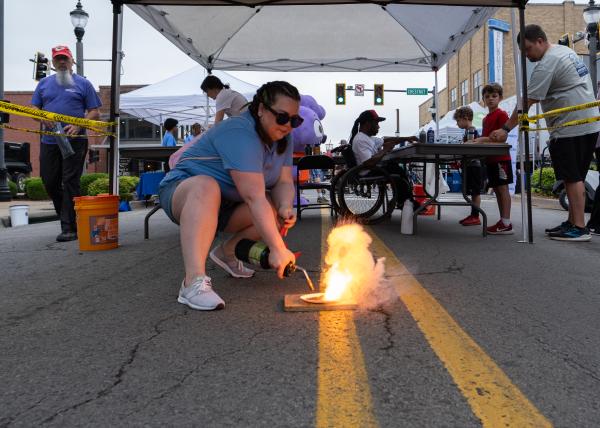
[[532, 33], [170, 123], [267, 95], [212, 82], [464, 112], [360, 120], [492, 88]]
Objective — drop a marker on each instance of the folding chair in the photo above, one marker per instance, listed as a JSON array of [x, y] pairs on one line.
[[309, 163]]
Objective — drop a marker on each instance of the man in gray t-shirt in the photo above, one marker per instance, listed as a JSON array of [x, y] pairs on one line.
[[560, 79]]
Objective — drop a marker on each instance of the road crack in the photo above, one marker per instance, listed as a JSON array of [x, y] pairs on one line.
[[121, 372]]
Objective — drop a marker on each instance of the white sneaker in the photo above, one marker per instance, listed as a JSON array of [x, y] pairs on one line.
[[234, 267], [200, 295]]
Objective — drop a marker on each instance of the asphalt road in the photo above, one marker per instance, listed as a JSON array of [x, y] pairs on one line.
[[485, 331]]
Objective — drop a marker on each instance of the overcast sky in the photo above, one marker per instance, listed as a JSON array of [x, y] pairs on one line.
[[37, 25]]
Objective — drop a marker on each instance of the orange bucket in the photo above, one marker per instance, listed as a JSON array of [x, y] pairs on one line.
[[305, 173], [97, 222], [420, 197]]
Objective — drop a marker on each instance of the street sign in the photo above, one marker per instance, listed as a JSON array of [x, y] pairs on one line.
[[417, 91], [359, 90]]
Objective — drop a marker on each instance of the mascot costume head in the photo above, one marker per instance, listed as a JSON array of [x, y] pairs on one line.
[[308, 135]]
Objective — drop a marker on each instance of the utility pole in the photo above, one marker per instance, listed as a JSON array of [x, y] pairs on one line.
[[4, 189]]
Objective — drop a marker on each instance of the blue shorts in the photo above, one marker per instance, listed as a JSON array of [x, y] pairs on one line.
[[165, 195]]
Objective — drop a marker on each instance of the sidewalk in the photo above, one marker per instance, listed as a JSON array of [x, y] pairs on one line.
[[42, 211]]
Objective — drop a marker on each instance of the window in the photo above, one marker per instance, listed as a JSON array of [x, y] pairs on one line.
[[464, 92], [453, 99], [137, 129], [477, 85]]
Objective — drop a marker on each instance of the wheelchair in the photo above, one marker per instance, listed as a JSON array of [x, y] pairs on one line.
[[367, 194]]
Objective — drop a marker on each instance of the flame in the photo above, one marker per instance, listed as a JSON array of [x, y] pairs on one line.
[[352, 273], [337, 283]]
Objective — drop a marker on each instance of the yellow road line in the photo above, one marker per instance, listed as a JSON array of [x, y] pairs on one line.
[[343, 395], [492, 396]]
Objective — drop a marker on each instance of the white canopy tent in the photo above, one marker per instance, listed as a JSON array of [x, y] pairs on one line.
[[349, 37], [180, 97], [311, 35]]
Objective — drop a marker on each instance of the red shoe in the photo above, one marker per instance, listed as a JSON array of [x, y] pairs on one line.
[[500, 229], [465, 219], [471, 221]]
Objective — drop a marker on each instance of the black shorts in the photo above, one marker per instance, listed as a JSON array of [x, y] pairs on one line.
[[571, 156], [499, 173], [474, 180]]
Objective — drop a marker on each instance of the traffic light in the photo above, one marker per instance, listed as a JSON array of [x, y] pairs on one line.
[[340, 94], [378, 94], [564, 40], [40, 66]]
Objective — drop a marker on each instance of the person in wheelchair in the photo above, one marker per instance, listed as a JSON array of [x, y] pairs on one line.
[[369, 150]]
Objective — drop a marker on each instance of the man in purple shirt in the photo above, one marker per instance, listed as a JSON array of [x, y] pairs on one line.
[[72, 95]]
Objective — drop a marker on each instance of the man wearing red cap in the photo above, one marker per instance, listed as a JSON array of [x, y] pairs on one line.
[[69, 94], [369, 149]]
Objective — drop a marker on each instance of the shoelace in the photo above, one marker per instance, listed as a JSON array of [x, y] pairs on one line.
[[204, 285]]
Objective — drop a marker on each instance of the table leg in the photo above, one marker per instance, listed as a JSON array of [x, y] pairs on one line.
[[147, 218], [432, 198]]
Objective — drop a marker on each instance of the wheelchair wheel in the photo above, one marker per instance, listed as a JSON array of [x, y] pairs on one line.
[[335, 185], [366, 194]]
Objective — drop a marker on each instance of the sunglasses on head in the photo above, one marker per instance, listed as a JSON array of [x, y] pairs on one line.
[[282, 118]]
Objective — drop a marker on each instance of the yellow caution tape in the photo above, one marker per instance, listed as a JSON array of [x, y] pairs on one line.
[[563, 125], [56, 134], [20, 110], [557, 111]]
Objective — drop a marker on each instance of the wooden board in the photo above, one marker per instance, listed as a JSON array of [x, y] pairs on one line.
[[293, 303]]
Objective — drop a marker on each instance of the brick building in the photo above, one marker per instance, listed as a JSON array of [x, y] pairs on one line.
[[132, 130], [491, 47]]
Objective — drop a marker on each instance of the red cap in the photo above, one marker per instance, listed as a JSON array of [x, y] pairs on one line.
[[61, 50], [370, 115]]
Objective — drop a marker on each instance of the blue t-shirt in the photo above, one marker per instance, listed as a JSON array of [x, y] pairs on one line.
[[70, 100], [169, 140], [188, 138], [231, 145]]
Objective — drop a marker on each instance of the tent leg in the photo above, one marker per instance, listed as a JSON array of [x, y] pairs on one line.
[[521, 154], [437, 107], [115, 86], [527, 170]]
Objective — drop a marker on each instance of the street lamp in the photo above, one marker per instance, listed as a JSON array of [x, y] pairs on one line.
[[591, 16], [79, 19]]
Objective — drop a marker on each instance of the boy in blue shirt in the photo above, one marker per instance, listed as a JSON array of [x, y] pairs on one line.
[[170, 137], [464, 120]]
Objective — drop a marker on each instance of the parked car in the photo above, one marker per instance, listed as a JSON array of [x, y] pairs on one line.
[[16, 157]]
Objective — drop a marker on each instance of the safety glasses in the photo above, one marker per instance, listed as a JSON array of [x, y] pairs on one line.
[[282, 118]]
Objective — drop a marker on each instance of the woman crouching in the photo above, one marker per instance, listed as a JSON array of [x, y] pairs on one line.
[[238, 180]]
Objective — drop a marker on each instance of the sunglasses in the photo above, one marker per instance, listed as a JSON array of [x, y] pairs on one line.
[[282, 118]]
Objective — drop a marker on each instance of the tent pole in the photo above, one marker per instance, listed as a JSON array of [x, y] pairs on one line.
[[115, 89], [437, 106], [518, 78], [526, 171]]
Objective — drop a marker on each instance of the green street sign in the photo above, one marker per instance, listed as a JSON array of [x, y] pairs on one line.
[[417, 91]]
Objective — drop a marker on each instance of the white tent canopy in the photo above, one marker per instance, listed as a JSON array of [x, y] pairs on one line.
[[179, 97], [324, 37]]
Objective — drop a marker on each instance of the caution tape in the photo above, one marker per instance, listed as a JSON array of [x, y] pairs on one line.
[[557, 111], [563, 125], [20, 110], [56, 134]]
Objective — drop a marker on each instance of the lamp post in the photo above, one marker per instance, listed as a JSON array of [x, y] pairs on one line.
[[79, 19], [591, 16]]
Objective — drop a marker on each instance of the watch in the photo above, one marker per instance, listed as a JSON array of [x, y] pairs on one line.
[[506, 128]]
